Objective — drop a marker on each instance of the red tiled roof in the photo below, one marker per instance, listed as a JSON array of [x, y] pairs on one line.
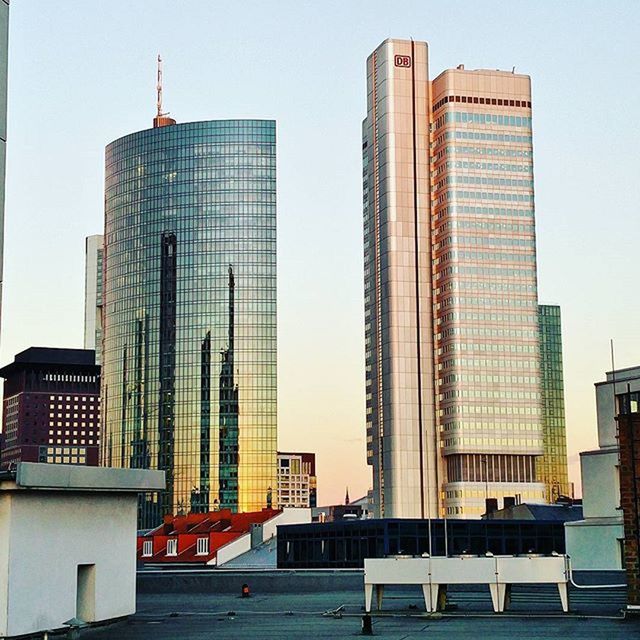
[[220, 527]]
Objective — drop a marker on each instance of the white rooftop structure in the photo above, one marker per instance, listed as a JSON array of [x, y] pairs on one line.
[[596, 542], [68, 544]]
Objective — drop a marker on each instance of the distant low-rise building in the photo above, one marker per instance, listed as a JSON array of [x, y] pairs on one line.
[[297, 482], [51, 407], [359, 509], [218, 538], [561, 512], [366, 504], [196, 538]]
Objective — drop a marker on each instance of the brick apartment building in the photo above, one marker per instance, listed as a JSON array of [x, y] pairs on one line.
[[629, 443]]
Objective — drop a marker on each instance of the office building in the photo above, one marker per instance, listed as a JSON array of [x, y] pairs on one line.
[[597, 541], [51, 407], [454, 411], [551, 467], [189, 313], [4, 58], [93, 295], [297, 482]]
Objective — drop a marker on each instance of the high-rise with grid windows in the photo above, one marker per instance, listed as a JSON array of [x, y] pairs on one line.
[[189, 313], [552, 466], [454, 408]]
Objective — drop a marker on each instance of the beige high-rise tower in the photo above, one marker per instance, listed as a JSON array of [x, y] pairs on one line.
[[452, 354], [401, 419]]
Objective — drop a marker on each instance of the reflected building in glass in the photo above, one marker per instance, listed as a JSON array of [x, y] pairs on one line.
[[189, 313]]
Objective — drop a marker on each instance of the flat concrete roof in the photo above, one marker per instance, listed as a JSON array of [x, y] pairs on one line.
[[296, 611], [35, 475], [601, 452]]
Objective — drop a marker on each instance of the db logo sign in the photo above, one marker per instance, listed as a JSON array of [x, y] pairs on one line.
[[403, 61]]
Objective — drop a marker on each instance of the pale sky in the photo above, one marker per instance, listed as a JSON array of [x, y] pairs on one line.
[[83, 73]]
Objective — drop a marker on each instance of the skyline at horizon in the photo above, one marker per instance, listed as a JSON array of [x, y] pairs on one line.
[[319, 237]]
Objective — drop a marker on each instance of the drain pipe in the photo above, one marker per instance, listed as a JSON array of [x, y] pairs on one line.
[[590, 586]]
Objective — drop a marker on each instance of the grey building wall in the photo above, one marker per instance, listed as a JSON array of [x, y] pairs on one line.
[[93, 295]]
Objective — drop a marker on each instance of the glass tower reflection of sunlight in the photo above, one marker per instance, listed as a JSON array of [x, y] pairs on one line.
[[552, 467], [189, 359]]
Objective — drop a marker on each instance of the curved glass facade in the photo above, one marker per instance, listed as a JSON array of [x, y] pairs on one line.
[[189, 344]]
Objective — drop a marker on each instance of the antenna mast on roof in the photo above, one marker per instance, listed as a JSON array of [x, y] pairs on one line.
[[161, 119], [159, 87]]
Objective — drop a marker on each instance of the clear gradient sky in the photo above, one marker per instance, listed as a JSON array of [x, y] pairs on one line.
[[82, 73]]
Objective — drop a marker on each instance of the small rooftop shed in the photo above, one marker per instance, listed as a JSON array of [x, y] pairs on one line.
[[68, 544]]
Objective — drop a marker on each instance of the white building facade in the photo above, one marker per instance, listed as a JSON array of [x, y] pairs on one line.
[[596, 543], [297, 483]]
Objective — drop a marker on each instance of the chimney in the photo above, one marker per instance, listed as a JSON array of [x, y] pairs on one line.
[[490, 506]]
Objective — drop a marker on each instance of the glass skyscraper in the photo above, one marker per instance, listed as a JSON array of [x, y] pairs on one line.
[[552, 466], [454, 408], [189, 313]]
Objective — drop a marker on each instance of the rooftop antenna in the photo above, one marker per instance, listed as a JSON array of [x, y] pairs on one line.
[[161, 119], [159, 88]]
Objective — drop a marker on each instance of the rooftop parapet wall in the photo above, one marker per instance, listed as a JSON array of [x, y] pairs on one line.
[[32, 475]]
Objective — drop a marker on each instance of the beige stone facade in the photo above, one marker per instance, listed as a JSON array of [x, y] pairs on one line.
[[452, 353]]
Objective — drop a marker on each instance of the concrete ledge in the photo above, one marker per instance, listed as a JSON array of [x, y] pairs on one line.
[[277, 581], [33, 475], [293, 581]]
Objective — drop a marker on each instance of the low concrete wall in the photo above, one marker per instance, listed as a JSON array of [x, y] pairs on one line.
[[291, 581], [220, 581]]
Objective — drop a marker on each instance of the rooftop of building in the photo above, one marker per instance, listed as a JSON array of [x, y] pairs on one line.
[[295, 453], [561, 512], [223, 520], [51, 356], [184, 127], [621, 375], [218, 527], [461, 69], [263, 556], [300, 605]]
